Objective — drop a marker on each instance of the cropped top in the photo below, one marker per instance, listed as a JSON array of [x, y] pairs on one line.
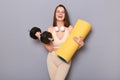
[[57, 42]]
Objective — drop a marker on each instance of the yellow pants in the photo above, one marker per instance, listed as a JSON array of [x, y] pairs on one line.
[[57, 68]]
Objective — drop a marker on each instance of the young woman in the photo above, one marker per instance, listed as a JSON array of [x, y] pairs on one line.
[[61, 28]]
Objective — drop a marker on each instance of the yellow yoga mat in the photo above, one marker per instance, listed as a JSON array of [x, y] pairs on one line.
[[69, 47]]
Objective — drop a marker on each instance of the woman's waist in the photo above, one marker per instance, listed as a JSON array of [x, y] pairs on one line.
[[53, 53]]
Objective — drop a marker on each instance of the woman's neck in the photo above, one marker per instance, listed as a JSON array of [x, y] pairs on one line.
[[60, 23]]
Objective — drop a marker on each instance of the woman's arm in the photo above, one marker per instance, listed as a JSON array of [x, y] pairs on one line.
[[49, 47]]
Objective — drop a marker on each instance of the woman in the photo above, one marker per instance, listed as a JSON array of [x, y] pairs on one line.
[[60, 30]]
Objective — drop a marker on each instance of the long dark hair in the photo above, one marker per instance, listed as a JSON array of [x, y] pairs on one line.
[[66, 20]]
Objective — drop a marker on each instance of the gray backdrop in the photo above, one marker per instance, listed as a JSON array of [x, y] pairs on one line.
[[22, 58]]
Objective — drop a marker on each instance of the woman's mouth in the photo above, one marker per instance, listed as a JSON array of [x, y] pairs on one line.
[[59, 16]]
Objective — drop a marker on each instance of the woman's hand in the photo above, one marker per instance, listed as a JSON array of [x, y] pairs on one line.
[[79, 41]]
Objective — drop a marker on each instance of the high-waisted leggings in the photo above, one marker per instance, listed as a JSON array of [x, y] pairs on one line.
[[57, 68]]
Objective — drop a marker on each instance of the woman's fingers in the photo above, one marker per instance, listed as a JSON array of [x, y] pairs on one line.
[[79, 41], [76, 39]]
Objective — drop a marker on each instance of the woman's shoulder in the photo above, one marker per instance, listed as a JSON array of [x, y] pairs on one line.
[[70, 28]]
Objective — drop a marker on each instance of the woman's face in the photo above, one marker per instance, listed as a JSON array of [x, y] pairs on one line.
[[60, 14]]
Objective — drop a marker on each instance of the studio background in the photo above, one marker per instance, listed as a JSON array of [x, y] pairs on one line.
[[22, 58]]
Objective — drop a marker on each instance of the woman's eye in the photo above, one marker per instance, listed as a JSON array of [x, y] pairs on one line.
[[58, 11]]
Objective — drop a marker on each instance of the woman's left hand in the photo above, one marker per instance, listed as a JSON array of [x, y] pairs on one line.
[[79, 41]]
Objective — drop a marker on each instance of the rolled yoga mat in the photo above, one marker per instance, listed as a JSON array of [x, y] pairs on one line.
[[69, 47]]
